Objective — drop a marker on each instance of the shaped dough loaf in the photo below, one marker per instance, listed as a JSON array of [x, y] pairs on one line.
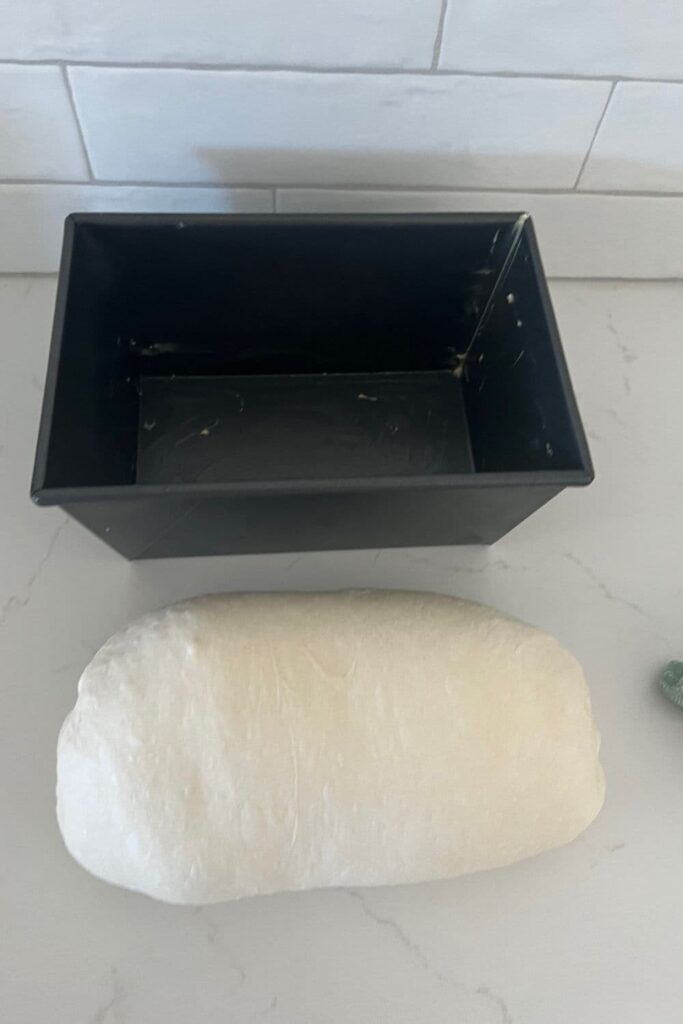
[[243, 744]]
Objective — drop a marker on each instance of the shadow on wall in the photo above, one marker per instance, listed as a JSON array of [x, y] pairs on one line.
[[374, 168], [32, 215], [242, 180]]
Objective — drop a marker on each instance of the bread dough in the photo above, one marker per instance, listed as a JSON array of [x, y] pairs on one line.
[[242, 744]]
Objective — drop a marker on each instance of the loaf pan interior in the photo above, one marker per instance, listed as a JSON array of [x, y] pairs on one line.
[[201, 351]]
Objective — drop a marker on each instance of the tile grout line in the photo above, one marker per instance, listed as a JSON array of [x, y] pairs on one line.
[[79, 126], [132, 183], [373, 187], [314, 69], [438, 39], [584, 162]]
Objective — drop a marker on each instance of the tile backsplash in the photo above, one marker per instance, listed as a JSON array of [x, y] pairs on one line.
[[571, 110]]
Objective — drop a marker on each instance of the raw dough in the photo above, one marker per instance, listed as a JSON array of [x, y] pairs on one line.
[[243, 744]]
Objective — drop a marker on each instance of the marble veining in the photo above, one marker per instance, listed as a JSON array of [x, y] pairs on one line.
[[15, 602], [113, 1010], [418, 954]]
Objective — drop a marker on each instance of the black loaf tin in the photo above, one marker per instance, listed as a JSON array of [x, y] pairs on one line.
[[223, 384]]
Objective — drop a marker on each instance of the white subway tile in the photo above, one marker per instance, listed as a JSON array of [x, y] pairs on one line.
[[38, 132], [291, 128], [323, 33], [32, 216], [633, 38], [579, 235], [640, 142]]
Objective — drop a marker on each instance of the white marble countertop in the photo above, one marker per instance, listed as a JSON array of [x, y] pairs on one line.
[[588, 934]]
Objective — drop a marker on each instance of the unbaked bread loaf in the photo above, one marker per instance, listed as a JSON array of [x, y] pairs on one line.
[[243, 744]]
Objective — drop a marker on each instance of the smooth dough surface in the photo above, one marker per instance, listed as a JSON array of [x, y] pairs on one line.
[[242, 744]]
